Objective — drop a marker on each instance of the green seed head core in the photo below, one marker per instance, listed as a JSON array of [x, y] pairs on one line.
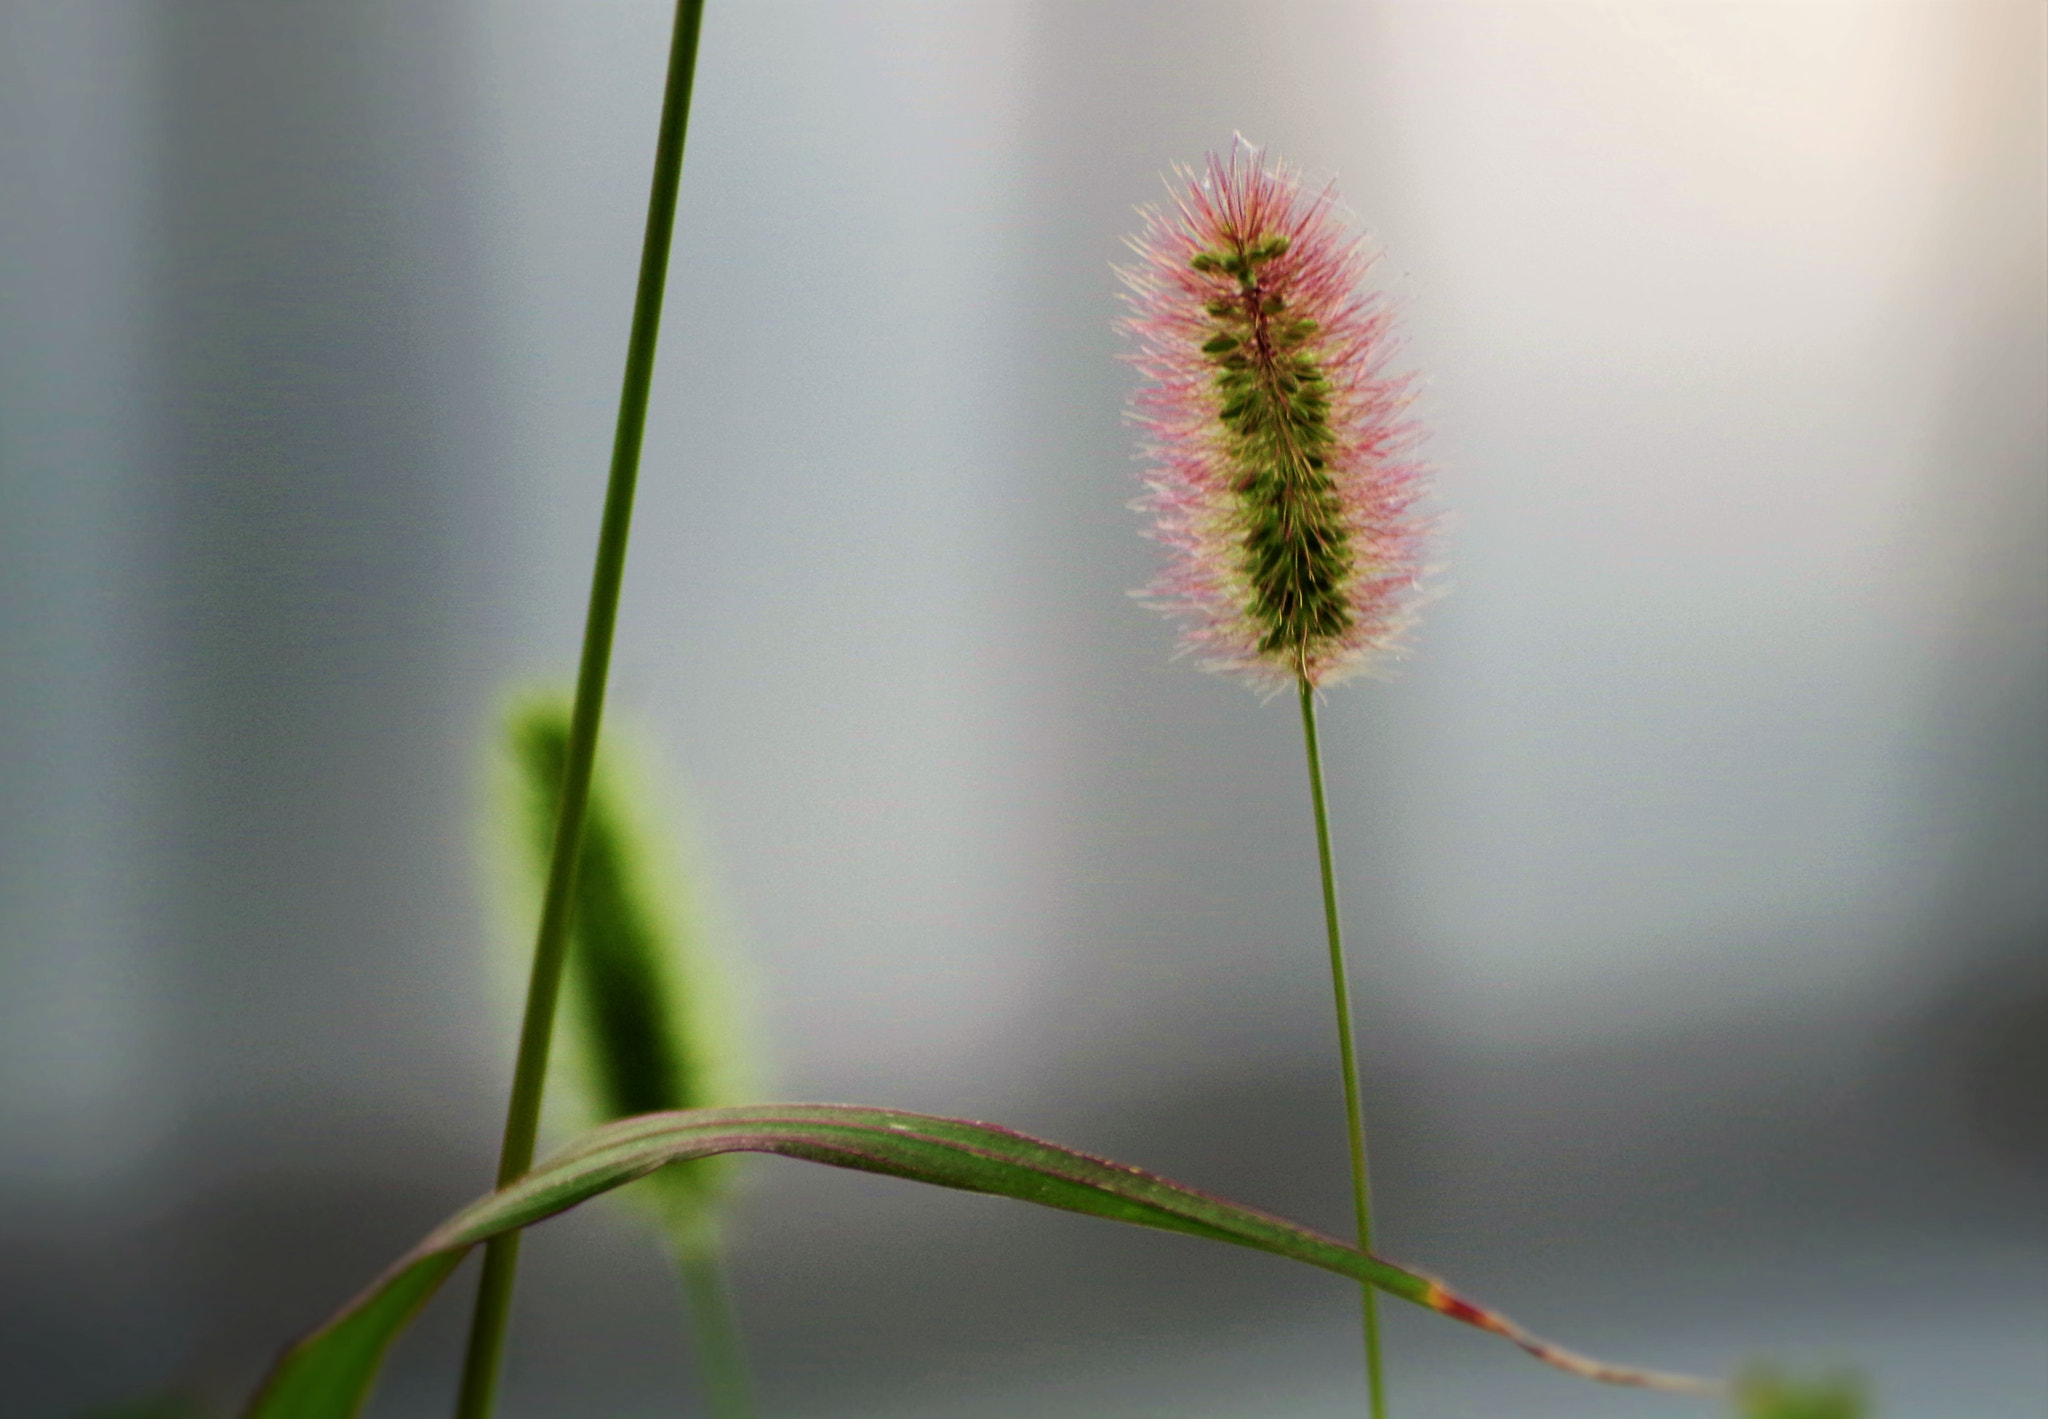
[[1294, 549]]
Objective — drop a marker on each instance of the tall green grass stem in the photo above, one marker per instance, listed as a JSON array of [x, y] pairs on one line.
[[1354, 1114], [714, 1325], [529, 1076]]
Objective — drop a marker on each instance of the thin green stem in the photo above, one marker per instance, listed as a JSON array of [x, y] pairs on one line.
[[529, 1075], [1354, 1114], [714, 1323]]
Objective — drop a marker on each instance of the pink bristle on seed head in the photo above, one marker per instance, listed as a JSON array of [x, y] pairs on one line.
[[1205, 472]]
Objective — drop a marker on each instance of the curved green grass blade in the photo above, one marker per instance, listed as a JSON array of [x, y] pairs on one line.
[[328, 1374]]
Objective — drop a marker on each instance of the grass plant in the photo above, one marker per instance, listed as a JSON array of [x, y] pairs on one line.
[[1283, 483], [529, 1077], [1285, 487]]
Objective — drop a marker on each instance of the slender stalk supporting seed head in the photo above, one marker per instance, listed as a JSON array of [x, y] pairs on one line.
[[1283, 475]]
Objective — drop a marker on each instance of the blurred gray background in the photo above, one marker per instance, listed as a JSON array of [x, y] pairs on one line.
[[1694, 864]]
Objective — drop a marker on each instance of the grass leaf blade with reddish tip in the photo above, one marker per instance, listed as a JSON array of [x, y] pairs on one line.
[[328, 1374]]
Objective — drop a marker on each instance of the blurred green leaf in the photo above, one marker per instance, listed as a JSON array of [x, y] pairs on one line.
[[1764, 1393], [328, 1374], [647, 1018]]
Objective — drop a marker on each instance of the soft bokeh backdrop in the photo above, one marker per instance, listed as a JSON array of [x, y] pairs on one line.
[[1694, 863]]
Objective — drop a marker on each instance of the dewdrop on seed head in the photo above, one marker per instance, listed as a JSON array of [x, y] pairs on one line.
[[1282, 475]]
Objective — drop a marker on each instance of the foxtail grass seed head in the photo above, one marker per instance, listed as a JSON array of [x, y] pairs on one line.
[[646, 1015], [1283, 478]]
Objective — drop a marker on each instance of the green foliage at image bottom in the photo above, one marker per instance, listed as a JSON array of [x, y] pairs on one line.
[[1766, 1394], [328, 1374]]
